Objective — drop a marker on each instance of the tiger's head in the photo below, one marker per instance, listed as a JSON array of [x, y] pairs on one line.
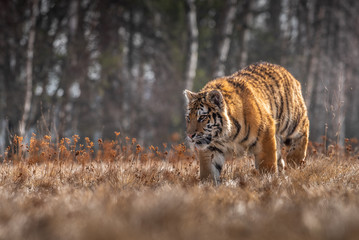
[[206, 117]]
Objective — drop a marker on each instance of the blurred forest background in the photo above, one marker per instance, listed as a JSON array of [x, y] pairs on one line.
[[92, 67]]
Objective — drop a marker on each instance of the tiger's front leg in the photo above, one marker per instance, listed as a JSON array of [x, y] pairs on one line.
[[210, 165]]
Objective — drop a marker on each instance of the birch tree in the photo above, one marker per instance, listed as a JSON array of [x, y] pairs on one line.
[[225, 43], [193, 44], [70, 68], [29, 66], [248, 21]]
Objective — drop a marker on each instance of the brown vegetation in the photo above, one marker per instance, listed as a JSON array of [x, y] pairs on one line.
[[124, 191]]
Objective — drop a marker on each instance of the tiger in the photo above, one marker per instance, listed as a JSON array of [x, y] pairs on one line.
[[259, 109]]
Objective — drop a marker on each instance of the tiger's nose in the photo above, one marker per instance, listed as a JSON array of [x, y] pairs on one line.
[[191, 135]]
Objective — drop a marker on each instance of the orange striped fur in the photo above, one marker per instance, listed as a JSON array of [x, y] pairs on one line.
[[257, 109]]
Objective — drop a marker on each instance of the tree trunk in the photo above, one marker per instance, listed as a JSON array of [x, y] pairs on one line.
[[193, 44], [342, 75], [29, 65], [70, 70], [313, 58], [313, 65], [226, 41], [340, 108], [248, 21]]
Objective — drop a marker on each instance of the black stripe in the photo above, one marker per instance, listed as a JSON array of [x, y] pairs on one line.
[[280, 110], [258, 73], [247, 134], [282, 80], [249, 74], [254, 143], [220, 119], [269, 87], [287, 105], [281, 106], [218, 166], [214, 116], [238, 126], [236, 84], [271, 90], [259, 127], [302, 122], [294, 123], [215, 149]]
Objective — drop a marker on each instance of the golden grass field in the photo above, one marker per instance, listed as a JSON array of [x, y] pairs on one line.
[[65, 190]]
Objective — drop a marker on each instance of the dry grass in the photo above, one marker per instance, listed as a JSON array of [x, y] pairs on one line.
[[123, 191]]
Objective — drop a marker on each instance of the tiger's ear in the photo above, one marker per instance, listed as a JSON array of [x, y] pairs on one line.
[[189, 95], [215, 97]]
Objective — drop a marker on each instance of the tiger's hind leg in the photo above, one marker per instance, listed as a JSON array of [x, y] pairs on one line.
[[265, 152], [297, 149]]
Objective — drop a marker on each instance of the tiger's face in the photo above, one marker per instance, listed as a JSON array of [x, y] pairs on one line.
[[204, 117]]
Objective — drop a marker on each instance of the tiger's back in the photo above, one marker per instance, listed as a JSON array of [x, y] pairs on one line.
[[272, 90], [258, 109]]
